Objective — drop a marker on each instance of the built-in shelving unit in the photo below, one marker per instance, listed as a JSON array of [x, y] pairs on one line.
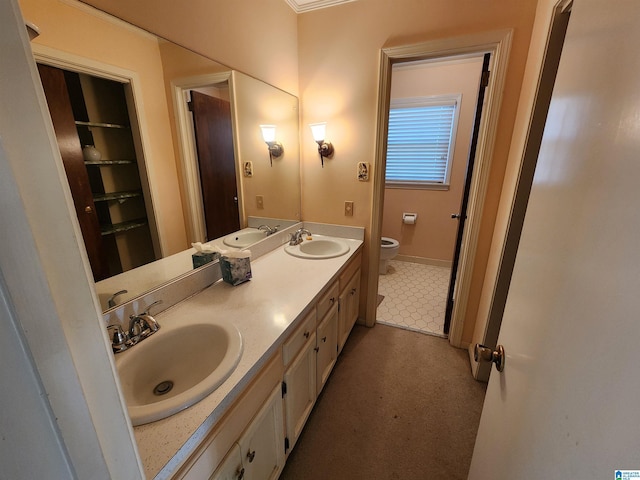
[[115, 179], [111, 200]]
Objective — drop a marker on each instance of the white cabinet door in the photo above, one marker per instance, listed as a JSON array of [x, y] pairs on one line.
[[231, 467], [349, 305], [326, 346], [262, 444], [300, 396]]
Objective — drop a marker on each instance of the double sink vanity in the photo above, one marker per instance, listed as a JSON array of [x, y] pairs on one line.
[[224, 387]]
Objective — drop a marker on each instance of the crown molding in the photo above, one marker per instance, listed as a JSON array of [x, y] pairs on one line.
[[301, 6]]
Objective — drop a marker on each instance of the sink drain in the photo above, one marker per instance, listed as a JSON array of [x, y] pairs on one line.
[[163, 388]]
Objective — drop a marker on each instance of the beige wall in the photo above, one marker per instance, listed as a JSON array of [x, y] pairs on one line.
[[179, 63], [339, 70], [77, 32], [433, 236], [331, 60], [257, 37], [257, 103]]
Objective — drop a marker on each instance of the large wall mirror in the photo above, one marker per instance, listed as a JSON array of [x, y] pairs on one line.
[[149, 121]]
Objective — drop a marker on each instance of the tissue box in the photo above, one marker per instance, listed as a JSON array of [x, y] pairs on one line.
[[235, 270], [202, 258]]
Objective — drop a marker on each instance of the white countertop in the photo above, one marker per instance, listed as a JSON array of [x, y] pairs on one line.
[[264, 310]]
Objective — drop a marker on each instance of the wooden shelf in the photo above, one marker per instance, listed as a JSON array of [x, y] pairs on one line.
[[123, 226], [100, 124], [106, 163], [105, 197]]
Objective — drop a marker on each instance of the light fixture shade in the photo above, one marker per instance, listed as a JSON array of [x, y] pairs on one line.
[[268, 133], [318, 130]]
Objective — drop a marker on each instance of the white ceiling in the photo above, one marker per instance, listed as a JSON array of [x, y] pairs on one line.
[[300, 6]]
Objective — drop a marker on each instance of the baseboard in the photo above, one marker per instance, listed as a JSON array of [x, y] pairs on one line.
[[424, 261]]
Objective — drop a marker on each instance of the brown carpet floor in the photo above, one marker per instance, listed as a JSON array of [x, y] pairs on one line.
[[398, 405]]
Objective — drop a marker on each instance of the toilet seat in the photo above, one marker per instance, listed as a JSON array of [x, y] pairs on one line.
[[386, 242]]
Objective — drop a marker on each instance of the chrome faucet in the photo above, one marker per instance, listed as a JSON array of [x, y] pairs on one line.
[[141, 326], [269, 230], [296, 238], [112, 299]]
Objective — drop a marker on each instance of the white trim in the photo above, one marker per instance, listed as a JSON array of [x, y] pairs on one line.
[[436, 62], [301, 6], [187, 149], [497, 43], [68, 61], [48, 277]]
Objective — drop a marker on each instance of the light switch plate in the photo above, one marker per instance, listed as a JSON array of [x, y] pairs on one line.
[[260, 201], [363, 171], [348, 209]]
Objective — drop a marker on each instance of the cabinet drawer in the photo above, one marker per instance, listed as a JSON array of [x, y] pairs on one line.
[[301, 336], [327, 301]]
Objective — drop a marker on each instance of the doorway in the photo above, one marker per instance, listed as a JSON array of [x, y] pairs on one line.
[[94, 118], [496, 44], [216, 162], [433, 108], [217, 85]]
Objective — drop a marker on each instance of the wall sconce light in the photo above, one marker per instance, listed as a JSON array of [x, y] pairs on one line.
[[325, 149], [33, 30], [269, 137]]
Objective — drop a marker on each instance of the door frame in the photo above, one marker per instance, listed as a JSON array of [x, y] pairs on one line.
[[523, 155], [192, 191], [133, 92], [498, 44]]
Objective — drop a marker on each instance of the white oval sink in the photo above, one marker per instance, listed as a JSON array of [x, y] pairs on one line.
[[318, 248], [244, 238], [176, 367]]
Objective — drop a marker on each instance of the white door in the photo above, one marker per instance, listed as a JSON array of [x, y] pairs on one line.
[[566, 405]]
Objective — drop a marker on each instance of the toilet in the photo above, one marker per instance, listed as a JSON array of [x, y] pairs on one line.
[[388, 249]]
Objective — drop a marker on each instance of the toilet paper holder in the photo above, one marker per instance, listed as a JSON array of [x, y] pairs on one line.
[[409, 218]]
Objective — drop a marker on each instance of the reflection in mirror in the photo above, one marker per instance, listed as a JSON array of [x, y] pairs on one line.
[[156, 80]]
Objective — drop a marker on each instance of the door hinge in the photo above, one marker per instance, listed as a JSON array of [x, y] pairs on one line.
[[284, 389], [484, 80], [286, 444], [190, 105]]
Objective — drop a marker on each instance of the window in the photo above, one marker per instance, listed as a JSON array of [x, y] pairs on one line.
[[420, 141]]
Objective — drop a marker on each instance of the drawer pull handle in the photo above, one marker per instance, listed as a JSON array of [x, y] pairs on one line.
[[353, 291], [240, 473], [251, 455], [324, 339], [306, 334], [332, 300], [317, 349]]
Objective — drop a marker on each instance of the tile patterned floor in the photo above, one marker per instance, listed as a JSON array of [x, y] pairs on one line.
[[414, 296]]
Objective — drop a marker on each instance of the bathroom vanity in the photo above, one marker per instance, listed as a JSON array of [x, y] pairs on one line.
[[294, 317]]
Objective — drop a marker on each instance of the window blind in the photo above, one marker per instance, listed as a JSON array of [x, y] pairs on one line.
[[419, 143]]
